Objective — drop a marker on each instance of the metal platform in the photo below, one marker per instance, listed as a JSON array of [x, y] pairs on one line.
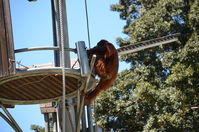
[[39, 85], [45, 84]]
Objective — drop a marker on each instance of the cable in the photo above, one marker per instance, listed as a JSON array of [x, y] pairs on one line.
[[87, 23]]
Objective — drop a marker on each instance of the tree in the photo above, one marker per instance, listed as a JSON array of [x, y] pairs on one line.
[[37, 128], [160, 92]]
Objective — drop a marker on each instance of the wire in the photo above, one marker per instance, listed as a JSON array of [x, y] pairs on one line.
[[87, 23]]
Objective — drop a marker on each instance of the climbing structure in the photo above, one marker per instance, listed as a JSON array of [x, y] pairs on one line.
[[59, 83], [41, 85], [29, 86]]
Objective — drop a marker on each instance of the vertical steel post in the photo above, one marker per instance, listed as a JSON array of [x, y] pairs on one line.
[[83, 120], [56, 27], [59, 124], [65, 33], [56, 31], [47, 125], [85, 87], [90, 121], [57, 42], [54, 121]]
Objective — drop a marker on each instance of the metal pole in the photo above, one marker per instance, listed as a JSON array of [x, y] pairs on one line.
[[11, 118], [65, 62], [83, 120], [90, 121], [8, 121], [56, 17], [54, 121], [65, 32], [87, 23], [56, 33], [56, 42], [58, 28], [59, 124], [84, 90], [47, 125], [42, 48]]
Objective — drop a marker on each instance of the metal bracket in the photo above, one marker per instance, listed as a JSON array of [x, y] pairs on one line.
[[83, 59]]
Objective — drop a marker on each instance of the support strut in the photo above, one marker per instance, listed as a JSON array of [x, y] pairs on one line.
[[9, 119]]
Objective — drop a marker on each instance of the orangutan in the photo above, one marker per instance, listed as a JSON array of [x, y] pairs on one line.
[[106, 67]]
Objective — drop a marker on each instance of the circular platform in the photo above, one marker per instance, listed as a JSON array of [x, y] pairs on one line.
[[39, 85]]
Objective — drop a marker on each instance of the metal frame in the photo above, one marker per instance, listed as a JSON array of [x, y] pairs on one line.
[[83, 59], [148, 44], [83, 75], [9, 119], [80, 103], [43, 48], [36, 72], [60, 35]]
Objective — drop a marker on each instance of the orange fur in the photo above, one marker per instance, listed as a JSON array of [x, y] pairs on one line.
[[106, 67]]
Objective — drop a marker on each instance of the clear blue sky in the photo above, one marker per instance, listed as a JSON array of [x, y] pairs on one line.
[[32, 27]]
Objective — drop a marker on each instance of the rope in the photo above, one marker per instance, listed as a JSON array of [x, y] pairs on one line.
[[74, 63], [33, 82], [87, 23], [62, 65]]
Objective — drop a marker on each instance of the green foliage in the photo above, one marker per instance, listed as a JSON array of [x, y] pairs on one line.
[[160, 92], [37, 128]]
